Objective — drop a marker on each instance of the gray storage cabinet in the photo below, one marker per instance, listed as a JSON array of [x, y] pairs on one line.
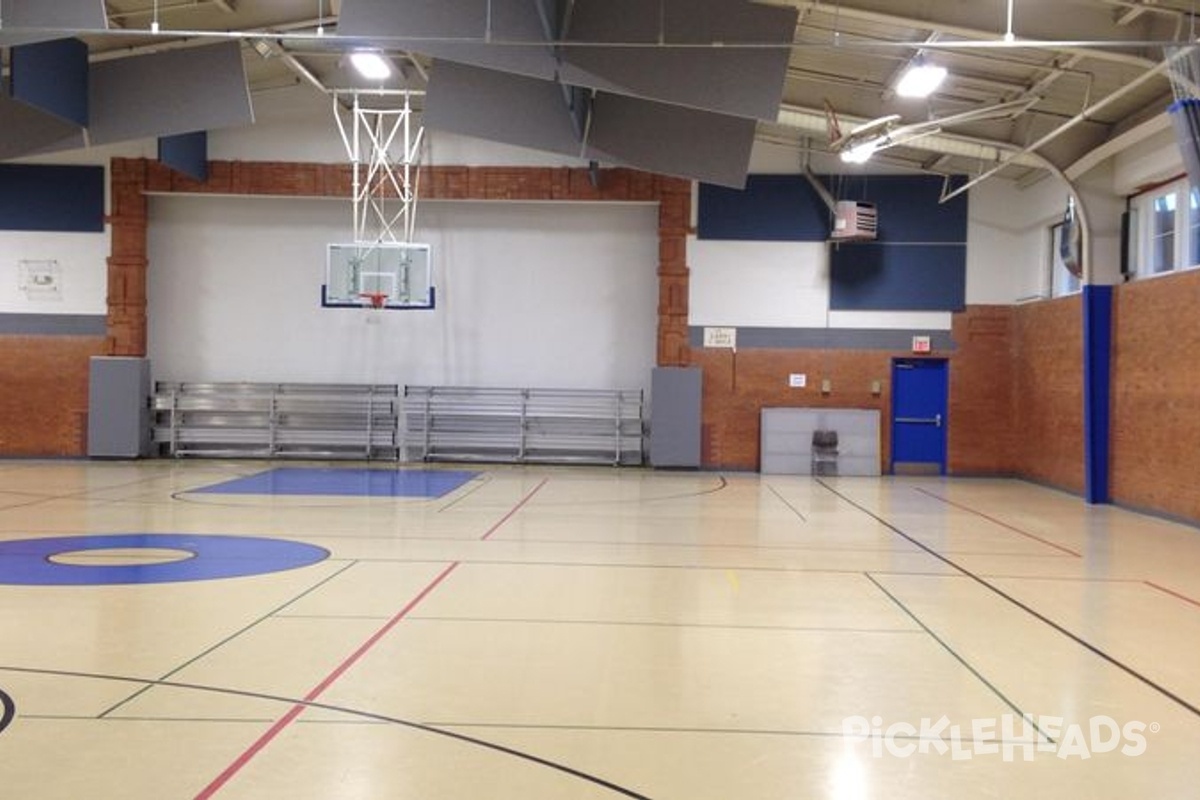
[[675, 406], [118, 407]]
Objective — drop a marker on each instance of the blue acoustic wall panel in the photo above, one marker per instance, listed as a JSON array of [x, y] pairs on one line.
[[880, 276], [36, 197], [53, 76], [186, 153], [772, 208], [917, 263], [909, 211]]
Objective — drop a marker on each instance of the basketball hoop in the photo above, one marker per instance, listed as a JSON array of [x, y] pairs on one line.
[[375, 300]]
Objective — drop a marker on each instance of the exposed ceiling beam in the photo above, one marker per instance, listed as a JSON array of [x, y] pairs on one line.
[[898, 20]]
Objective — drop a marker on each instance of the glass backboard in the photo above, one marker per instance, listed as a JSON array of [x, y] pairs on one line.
[[395, 274]]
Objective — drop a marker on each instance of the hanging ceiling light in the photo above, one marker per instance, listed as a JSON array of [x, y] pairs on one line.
[[860, 153], [921, 78], [371, 65]]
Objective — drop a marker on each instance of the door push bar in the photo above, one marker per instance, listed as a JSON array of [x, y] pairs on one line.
[[934, 420]]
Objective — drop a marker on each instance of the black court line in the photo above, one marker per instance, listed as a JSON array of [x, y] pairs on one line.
[[784, 500], [1128, 670], [525, 726], [998, 522], [721, 485], [611, 543], [211, 649], [956, 655], [8, 712], [607, 623], [616, 565], [475, 484], [359, 713]]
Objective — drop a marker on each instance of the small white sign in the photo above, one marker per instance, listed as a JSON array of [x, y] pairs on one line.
[[922, 344], [40, 280], [721, 337], [797, 380]]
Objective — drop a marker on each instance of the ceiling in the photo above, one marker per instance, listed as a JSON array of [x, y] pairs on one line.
[[1086, 71]]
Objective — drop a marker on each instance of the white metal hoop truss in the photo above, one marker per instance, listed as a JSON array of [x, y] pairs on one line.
[[384, 147]]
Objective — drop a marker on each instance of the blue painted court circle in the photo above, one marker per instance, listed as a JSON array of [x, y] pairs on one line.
[[28, 562]]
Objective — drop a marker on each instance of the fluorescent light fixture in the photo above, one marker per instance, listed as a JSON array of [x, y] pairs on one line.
[[860, 153], [371, 65], [920, 79]]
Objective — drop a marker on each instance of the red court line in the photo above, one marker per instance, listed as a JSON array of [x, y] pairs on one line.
[[1001, 523], [319, 689], [512, 512], [1173, 593]]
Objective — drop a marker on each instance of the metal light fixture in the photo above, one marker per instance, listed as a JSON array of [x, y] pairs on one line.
[[921, 78], [860, 153], [371, 65]]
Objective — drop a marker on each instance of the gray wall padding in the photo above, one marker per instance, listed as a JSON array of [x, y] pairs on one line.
[[499, 106], [744, 81], [178, 91], [45, 20], [625, 130], [26, 130], [432, 26], [672, 140]]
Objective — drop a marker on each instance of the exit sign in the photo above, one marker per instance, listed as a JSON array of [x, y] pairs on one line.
[[922, 344]]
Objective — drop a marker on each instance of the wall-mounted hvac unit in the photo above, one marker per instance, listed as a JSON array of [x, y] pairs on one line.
[[853, 220]]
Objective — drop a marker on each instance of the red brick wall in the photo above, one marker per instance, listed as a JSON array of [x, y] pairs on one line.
[[983, 397], [1048, 424], [1156, 395], [43, 400], [737, 388]]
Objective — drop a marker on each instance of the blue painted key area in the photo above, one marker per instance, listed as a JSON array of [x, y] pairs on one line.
[[292, 481], [27, 562]]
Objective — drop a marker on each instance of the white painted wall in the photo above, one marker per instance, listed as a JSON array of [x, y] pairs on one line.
[[82, 268], [758, 284], [528, 295]]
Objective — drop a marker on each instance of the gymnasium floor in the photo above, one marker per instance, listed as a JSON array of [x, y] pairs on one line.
[[499, 633]]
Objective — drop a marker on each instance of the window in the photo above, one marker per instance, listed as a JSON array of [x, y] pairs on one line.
[[1164, 230]]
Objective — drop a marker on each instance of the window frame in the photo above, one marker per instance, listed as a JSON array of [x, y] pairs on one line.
[[1145, 234]]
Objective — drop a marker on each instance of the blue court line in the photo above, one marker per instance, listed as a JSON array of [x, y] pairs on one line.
[[298, 481]]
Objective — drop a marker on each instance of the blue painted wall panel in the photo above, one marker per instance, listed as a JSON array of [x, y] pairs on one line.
[[873, 276], [917, 263], [772, 208], [186, 153], [53, 77], [38, 197]]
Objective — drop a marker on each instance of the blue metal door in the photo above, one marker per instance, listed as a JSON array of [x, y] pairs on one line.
[[919, 396]]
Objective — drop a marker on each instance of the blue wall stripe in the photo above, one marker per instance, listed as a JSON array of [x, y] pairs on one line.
[[1097, 377], [53, 325], [44, 197], [53, 77], [829, 338]]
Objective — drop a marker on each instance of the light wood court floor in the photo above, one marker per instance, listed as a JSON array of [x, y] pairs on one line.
[[577, 634]]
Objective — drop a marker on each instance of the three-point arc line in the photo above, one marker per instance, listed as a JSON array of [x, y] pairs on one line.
[[8, 710], [287, 719]]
